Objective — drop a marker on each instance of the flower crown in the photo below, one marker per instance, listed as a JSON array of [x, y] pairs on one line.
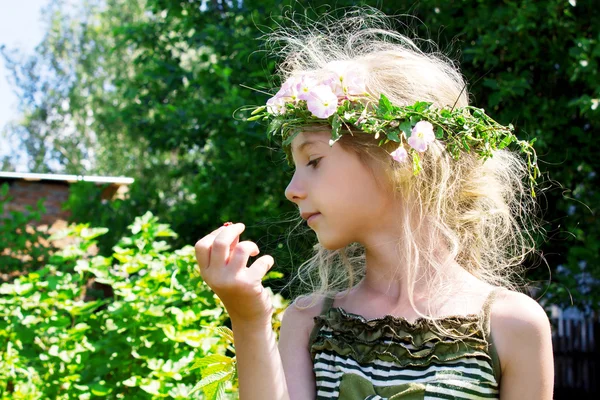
[[340, 100]]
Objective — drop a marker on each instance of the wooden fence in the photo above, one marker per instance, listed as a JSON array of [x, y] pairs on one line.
[[576, 355]]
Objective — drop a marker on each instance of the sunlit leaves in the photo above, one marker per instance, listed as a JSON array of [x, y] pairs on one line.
[[160, 335]]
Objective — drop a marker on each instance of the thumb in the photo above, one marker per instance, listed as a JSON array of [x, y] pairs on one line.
[[260, 267]]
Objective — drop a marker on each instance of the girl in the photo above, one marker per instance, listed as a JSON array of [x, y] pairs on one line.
[[422, 219]]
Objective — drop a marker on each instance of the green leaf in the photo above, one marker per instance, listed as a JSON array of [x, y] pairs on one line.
[[439, 133], [385, 107], [273, 275], [225, 333], [16, 288], [336, 124], [393, 135], [101, 390], [211, 359], [274, 126], [170, 332], [465, 144], [215, 391], [215, 377], [406, 127], [421, 106], [93, 233], [152, 387], [132, 381], [505, 142], [193, 338], [290, 138], [416, 163], [81, 308]]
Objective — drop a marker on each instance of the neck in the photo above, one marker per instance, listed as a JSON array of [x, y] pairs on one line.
[[388, 276]]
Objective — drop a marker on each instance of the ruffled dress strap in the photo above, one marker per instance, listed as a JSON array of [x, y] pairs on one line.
[[327, 303], [487, 329]]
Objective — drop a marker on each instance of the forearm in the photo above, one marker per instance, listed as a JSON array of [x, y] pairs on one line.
[[260, 370]]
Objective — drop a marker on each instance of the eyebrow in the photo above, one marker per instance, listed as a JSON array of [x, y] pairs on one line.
[[304, 145]]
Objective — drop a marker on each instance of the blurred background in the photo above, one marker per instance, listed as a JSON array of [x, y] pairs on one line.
[[139, 96]]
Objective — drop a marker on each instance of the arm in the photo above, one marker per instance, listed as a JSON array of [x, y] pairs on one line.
[[295, 353], [288, 365], [260, 370], [223, 260], [521, 333]]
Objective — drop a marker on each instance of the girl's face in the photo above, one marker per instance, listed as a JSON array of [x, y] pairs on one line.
[[333, 182]]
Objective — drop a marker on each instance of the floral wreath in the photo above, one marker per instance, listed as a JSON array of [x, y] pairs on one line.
[[340, 99]]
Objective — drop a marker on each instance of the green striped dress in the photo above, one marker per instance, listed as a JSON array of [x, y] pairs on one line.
[[391, 358]]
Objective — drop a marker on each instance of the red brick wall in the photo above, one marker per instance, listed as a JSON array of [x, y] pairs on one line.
[[29, 192]]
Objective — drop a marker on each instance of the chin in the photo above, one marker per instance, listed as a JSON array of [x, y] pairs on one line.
[[331, 245]]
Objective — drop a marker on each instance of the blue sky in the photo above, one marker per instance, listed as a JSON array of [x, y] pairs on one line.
[[20, 27]]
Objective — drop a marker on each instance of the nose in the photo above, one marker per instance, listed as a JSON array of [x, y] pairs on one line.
[[295, 190]]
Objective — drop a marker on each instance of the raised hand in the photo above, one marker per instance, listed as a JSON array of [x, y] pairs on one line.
[[222, 259]]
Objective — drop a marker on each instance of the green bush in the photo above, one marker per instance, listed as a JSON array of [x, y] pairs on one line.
[[162, 333]]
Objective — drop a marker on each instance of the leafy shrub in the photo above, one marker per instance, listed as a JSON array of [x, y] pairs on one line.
[[162, 334]]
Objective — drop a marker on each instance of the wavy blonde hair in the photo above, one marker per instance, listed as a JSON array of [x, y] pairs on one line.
[[482, 210]]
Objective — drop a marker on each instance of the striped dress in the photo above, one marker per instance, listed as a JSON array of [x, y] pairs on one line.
[[391, 358]]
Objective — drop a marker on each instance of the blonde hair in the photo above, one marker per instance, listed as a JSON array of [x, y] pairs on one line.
[[482, 210]]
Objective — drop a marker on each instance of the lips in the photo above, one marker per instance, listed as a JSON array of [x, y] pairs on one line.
[[307, 215], [312, 217]]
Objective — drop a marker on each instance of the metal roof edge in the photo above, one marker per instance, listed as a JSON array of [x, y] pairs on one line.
[[29, 176]]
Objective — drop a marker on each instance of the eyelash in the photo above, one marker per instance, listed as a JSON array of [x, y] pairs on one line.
[[314, 162]]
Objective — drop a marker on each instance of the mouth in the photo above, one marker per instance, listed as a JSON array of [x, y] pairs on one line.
[[312, 218]]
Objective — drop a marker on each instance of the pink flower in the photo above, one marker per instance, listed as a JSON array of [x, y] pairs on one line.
[[346, 79], [321, 101], [288, 93], [354, 84], [276, 105], [421, 135], [400, 154], [289, 89], [333, 81], [304, 86]]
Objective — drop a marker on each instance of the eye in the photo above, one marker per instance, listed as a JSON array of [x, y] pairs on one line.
[[314, 162]]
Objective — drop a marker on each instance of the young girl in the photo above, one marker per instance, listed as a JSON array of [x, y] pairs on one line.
[[421, 214]]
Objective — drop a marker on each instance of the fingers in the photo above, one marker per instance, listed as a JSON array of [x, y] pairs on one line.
[[203, 247], [219, 253], [222, 248], [241, 253], [236, 240], [260, 267]]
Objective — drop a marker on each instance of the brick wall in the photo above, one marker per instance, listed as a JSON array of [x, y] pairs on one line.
[[25, 193], [27, 189]]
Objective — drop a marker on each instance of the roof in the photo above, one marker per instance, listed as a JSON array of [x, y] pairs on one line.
[[27, 176]]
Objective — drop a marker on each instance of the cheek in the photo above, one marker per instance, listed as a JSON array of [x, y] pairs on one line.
[[356, 193]]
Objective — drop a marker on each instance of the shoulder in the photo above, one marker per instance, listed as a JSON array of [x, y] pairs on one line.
[[514, 312], [302, 311], [521, 333]]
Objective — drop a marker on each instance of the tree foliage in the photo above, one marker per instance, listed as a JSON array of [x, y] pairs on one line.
[[152, 87]]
